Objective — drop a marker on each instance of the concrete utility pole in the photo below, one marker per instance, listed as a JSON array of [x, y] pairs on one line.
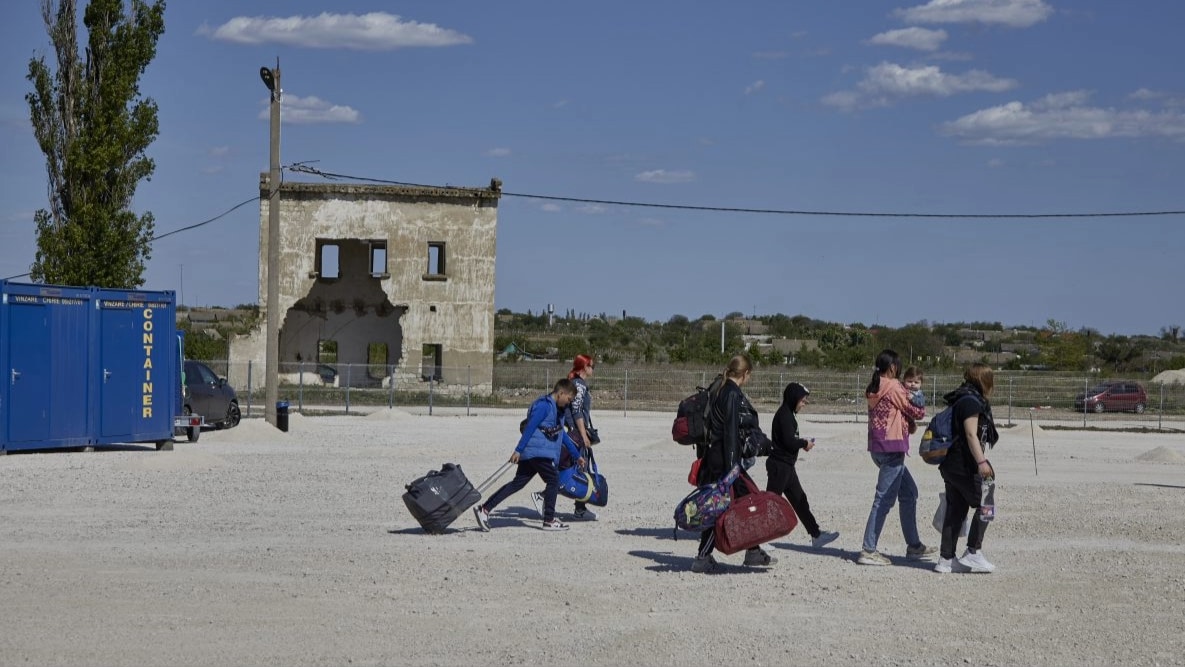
[[271, 79]]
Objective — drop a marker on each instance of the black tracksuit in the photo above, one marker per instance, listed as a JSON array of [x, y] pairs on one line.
[[781, 475]]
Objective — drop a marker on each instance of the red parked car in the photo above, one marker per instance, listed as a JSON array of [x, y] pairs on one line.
[[1113, 396]]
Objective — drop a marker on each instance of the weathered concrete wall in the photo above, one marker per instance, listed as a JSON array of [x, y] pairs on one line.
[[404, 308]]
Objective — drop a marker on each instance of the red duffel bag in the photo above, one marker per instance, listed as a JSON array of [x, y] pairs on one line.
[[753, 519]]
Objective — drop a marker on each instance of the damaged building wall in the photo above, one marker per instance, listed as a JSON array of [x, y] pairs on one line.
[[388, 275]]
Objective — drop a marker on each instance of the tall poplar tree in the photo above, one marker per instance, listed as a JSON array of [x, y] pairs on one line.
[[94, 127]]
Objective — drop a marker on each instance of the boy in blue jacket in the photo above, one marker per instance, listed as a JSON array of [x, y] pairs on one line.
[[538, 453]]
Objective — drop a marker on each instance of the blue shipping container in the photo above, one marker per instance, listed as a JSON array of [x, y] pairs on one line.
[[86, 366]]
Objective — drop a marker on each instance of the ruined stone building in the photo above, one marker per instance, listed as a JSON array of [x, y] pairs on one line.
[[376, 277]]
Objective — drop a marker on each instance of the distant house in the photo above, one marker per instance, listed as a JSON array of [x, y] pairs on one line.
[[203, 318]]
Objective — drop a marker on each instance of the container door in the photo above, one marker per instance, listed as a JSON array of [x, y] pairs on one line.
[[137, 374], [28, 342], [119, 374]]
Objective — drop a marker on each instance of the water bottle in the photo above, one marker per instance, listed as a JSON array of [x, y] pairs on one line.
[[987, 499]]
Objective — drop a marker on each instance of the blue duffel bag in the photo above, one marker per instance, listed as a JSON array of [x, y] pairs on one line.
[[586, 486]]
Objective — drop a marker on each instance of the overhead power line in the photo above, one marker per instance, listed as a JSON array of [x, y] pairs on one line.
[[206, 222], [304, 168]]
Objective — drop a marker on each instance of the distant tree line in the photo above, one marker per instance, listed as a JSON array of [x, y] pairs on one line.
[[680, 340]]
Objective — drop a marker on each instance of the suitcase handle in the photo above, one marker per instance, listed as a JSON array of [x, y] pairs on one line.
[[481, 488]]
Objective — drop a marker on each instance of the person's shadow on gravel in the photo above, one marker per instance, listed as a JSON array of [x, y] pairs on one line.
[[658, 533], [666, 561]]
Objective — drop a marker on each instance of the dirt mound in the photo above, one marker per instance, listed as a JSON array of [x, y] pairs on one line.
[[1162, 455], [250, 430], [1170, 377], [389, 414]]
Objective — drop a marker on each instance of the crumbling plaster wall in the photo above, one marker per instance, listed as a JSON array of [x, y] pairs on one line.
[[406, 306]]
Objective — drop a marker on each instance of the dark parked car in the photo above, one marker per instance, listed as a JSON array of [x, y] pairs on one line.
[[1118, 395], [328, 373], [208, 395]]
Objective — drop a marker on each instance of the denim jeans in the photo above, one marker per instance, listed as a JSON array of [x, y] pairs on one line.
[[894, 483]]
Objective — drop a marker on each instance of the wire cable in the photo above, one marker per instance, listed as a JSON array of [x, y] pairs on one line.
[[303, 168], [182, 229], [205, 222]]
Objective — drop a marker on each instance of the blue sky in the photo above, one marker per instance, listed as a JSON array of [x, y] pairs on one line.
[[939, 107]]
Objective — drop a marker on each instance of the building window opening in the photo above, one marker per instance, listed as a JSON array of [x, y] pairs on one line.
[[328, 260], [433, 366], [378, 259], [436, 259], [376, 361]]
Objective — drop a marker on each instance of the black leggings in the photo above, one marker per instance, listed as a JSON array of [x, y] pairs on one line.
[[782, 478], [962, 493]]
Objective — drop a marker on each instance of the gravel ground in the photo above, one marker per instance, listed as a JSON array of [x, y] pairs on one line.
[[257, 547]]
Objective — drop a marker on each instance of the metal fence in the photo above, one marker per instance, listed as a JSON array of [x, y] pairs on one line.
[[359, 387]]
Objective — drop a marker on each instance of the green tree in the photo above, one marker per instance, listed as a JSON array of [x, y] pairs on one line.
[[94, 127]]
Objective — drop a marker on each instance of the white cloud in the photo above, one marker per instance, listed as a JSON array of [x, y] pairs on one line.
[[219, 151], [309, 110], [1163, 98], [498, 152], [888, 82], [560, 105], [770, 55], [1011, 13], [664, 176], [212, 169], [1147, 94], [652, 222], [754, 87], [995, 163], [551, 208], [590, 209], [376, 31], [921, 39], [1062, 116]]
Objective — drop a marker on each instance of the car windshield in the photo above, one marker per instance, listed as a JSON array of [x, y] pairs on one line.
[[1101, 389]]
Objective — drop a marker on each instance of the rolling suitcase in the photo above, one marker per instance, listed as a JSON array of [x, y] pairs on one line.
[[753, 519], [438, 498]]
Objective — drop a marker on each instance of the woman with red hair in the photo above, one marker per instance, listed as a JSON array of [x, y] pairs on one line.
[[578, 419]]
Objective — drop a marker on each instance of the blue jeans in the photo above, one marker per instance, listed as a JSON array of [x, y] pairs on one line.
[[893, 484]]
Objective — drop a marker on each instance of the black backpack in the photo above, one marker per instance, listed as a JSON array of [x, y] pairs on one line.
[[691, 419]]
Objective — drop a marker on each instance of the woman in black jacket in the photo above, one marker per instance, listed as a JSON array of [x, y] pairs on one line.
[[731, 419], [781, 475]]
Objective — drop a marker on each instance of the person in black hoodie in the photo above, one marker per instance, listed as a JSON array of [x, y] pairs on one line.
[[781, 475], [965, 467]]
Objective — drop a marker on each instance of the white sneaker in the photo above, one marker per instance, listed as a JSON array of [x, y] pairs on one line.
[[537, 499], [555, 524], [483, 518], [976, 563], [944, 565], [585, 515], [824, 538]]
